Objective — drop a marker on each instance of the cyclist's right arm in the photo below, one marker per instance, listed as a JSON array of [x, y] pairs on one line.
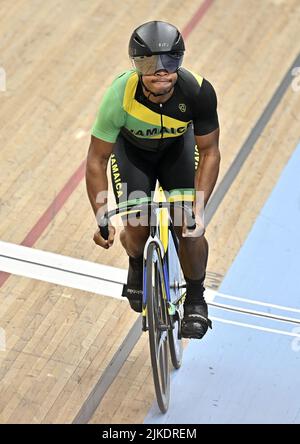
[[97, 183], [109, 121], [96, 177]]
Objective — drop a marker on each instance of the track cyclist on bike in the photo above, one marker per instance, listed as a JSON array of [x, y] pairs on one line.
[[158, 121]]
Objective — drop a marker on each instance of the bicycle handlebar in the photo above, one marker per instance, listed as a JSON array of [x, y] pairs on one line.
[[105, 219]]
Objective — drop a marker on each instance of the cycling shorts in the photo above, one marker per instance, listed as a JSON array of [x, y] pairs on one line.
[[135, 172]]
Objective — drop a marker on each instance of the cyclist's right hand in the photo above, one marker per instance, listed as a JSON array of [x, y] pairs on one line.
[[99, 240]]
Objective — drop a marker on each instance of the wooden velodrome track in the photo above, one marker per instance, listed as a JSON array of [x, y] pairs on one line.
[[59, 56]]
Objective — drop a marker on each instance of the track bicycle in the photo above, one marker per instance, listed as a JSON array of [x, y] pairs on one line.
[[163, 289]]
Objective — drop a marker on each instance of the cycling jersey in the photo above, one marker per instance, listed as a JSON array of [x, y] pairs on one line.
[[151, 126]]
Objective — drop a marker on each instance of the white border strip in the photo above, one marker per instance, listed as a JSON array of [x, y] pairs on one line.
[[84, 275], [62, 270]]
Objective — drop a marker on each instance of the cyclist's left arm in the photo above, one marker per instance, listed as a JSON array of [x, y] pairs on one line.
[[209, 162], [206, 128], [205, 178]]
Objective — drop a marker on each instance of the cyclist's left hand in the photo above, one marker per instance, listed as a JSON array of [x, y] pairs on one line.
[[198, 231]]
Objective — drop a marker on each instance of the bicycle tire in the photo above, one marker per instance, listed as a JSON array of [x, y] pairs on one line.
[[158, 338], [175, 344], [175, 275]]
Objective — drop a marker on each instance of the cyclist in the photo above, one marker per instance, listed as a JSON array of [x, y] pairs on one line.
[[158, 121]]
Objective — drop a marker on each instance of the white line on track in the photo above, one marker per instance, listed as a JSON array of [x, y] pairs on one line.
[[252, 301], [256, 327], [216, 294], [255, 313]]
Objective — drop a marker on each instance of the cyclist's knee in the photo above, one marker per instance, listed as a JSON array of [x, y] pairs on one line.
[[133, 240]]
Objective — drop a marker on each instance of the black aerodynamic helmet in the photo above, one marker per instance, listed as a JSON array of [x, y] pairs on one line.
[[155, 37]]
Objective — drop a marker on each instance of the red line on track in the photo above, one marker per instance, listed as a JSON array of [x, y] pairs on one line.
[[3, 277], [196, 17], [59, 201], [50, 213], [54, 207]]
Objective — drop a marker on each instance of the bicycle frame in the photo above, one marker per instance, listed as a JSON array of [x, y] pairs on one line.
[[160, 228], [159, 234]]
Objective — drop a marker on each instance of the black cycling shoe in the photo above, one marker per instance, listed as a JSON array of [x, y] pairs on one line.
[[195, 321], [133, 290]]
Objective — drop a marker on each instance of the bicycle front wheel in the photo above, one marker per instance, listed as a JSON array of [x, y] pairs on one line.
[[175, 284], [158, 327]]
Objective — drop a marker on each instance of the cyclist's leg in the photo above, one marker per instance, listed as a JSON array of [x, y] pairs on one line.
[[176, 175], [132, 178]]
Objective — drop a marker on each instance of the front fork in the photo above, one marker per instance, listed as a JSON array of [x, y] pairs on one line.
[[175, 311]]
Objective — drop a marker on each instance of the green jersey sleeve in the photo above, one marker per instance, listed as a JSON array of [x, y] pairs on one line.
[[110, 117]]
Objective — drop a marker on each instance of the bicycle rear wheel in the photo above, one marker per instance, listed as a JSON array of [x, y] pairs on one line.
[[158, 327], [176, 347]]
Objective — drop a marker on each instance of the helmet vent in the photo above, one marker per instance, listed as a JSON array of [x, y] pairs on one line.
[[178, 38], [139, 41]]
